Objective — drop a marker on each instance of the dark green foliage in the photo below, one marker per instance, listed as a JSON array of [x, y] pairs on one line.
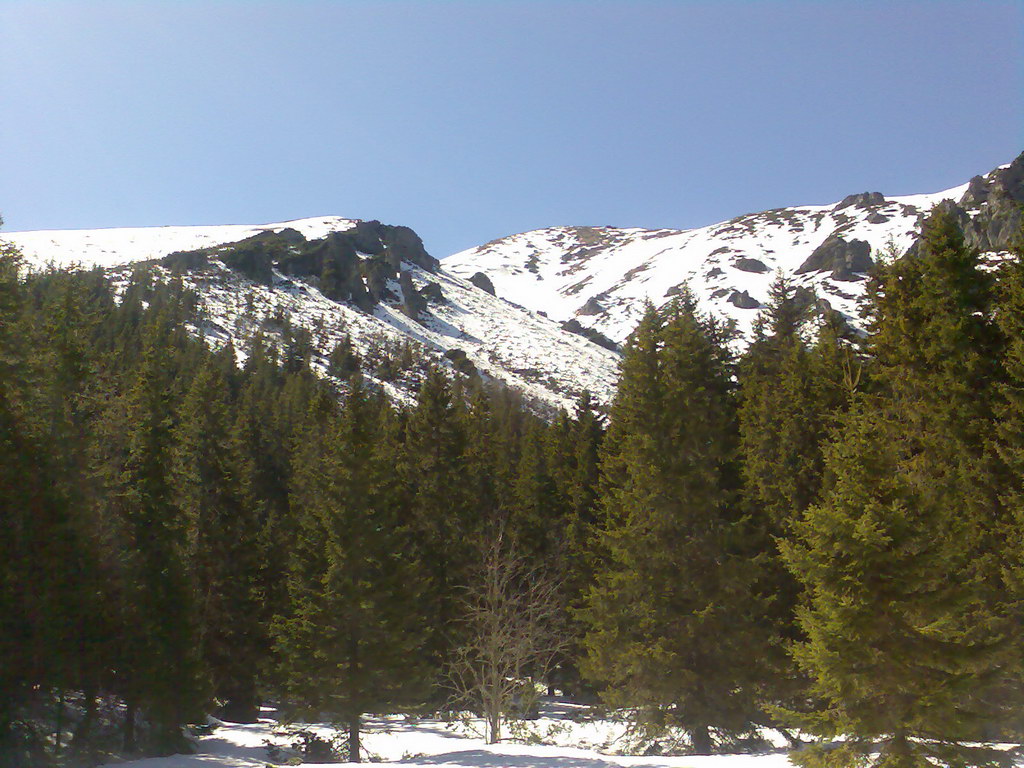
[[222, 543], [186, 536], [790, 395], [669, 619], [906, 642], [343, 361], [444, 518], [350, 641], [160, 662], [1009, 437]]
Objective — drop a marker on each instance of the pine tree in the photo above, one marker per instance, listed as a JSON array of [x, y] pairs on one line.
[[905, 646], [537, 516], [351, 642], [223, 546], [790, 396], [443, 516], [1009, 438], [158, 656], [668, 614]]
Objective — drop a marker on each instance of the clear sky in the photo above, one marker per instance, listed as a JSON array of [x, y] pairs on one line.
[[473, 120]]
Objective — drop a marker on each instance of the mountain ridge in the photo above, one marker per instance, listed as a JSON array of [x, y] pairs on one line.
[[601, 277], [542, 310]]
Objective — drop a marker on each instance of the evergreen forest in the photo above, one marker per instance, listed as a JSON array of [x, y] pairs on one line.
[[822, 533]]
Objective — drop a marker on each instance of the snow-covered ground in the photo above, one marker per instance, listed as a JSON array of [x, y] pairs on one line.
[[124, 245], [602, 276], [563, 737], [504, 341]]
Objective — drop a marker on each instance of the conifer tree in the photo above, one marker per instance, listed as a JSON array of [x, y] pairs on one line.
[[790, 396], [905, 645], [440, 510], [538, 516], [158, 655], [223, 546], [668, 616], [351, 642], [1009, 439]]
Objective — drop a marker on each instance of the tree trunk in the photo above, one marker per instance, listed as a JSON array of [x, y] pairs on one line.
[[128, 731], [794, 741], [700, 739], [897, 753], [353, 739], [84, 728], [493, 727], [58, 727]]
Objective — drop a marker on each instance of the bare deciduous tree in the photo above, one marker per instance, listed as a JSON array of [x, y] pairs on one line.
[[511, 632]]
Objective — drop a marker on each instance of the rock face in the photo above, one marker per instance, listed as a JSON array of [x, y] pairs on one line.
[[750, 265], [743, 300], [603, 276], [999, 197], [483, 282], [861, 200], [353, 265], [592, 307], [844, 258], [363, 292]]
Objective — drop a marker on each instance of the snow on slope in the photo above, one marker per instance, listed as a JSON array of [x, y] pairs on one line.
[[525, 350], [603, 275], [505, 342], [116, 246]]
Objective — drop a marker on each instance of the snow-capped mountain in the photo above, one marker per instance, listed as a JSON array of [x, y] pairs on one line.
[[506, 309], [601, 276], [341, 278]]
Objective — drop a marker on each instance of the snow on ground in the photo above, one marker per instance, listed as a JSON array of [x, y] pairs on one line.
[[571, 740], [602, 276], [524, 349], [116, 246]]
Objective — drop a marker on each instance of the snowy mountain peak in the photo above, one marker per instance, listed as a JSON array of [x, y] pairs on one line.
[[370, 286], [124, 245], [601, 276]]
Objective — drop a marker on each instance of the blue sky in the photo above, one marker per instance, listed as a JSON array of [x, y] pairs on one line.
[[472, 120]]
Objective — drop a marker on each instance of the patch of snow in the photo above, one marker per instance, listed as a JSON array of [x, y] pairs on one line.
[[566, 739], [602, 276], [117, 246]]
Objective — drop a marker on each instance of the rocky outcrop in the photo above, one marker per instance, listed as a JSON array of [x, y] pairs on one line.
[[861, 200], [483, 282], [461, 362], [999, 196], [593, 306], [355, 265], [399, 243], [750, 265], [575, 326], [432, 293], [743, 300], [414, 304], [846, 259]]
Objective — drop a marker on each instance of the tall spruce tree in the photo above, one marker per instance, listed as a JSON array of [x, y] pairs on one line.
[[1009, 438], [222, 547], [158, 661], [352, 640], [790, 395], [668, 614], [441, 512], [906, 647]]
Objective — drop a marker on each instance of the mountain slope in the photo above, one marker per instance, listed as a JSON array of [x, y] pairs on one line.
[[341, 279], [601, 276]]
